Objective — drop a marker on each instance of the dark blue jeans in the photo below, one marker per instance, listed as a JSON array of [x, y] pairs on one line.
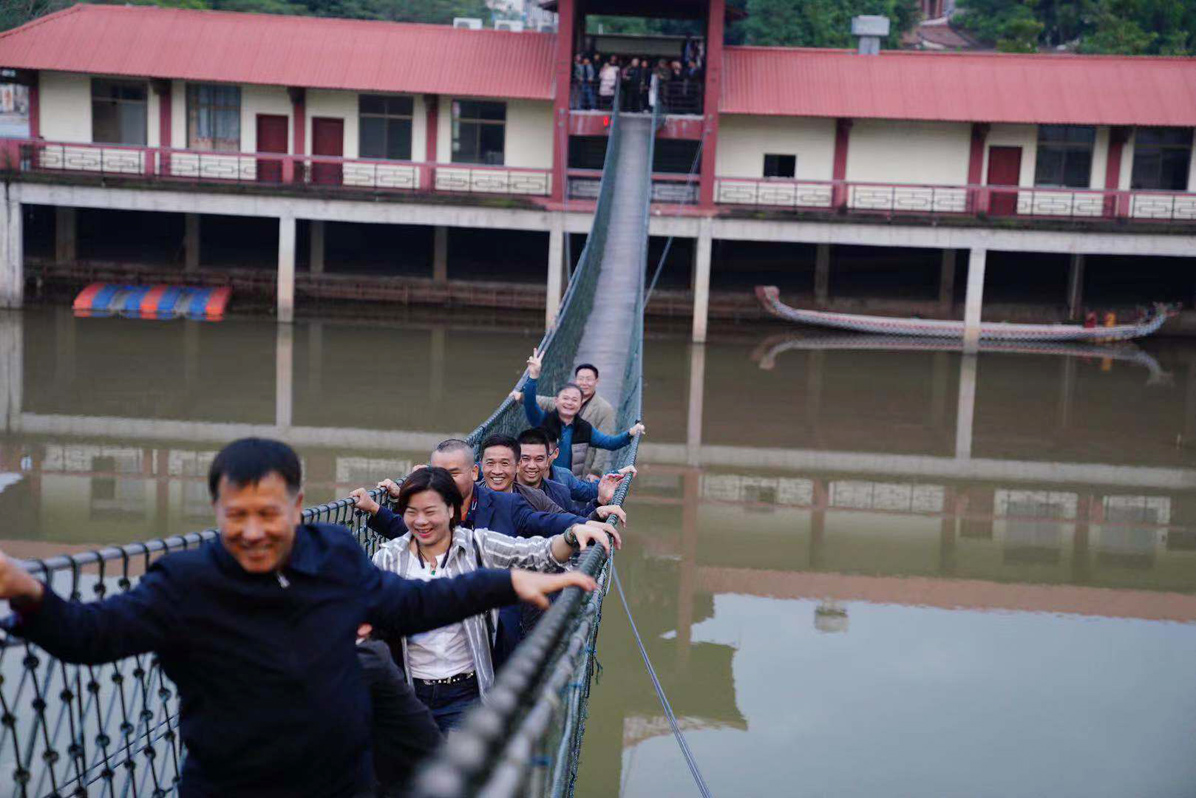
[[448, 702]]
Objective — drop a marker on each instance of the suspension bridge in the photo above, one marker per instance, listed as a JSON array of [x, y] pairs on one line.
[[112, 729]]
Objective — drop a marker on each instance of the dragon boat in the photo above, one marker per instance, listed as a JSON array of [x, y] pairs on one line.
[[770, 297]]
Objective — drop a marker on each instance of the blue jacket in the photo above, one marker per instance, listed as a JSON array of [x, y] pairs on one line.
[[561, 495], [505, 513], [581, 490], [273, 702]]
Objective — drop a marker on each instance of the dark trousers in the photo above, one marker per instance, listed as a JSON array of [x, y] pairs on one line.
[[448, 702]]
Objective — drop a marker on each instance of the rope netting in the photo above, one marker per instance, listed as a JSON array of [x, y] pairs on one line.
[[112, 729]]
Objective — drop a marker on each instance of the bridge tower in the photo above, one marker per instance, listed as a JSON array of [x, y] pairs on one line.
[[697, 120]]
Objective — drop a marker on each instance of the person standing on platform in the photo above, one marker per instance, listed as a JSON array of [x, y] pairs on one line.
[[257, 629]]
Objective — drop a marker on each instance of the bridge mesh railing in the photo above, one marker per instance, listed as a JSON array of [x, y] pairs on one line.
[[111, 729]]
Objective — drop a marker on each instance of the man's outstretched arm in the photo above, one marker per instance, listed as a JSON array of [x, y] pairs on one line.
[[407, 606], [89, 633]]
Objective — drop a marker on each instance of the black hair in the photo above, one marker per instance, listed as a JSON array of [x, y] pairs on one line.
[[574, 386], [589, 366], [498, 439], [536, 436], [250, 460], [431, 478]]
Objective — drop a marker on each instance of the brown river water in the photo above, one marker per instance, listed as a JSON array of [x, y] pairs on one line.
[[859, 569]]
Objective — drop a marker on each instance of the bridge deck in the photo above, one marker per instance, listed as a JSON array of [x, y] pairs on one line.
[[606, 339]]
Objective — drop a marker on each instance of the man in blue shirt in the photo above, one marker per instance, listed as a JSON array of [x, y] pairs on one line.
[[257, 631]]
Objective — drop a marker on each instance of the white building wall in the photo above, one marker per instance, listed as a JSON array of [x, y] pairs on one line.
[[65, 106], [1024, 136], [1100, 158], [333, 105], [264, 100], [929, 153], [529, 134], [743, 142]]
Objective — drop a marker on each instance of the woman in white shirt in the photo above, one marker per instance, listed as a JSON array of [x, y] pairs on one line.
[[451, 667]]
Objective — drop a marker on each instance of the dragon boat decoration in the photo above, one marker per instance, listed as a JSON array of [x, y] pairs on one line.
[[770, 297]]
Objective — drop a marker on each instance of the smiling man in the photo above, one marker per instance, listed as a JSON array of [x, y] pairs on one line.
[[257, 629], [594, 409], [500, 468]]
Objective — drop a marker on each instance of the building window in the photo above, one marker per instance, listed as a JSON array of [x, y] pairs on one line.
[[1162, 156], [1064, 156], [214, 117], [780, 165], [385, 129], [479, 131], [118, 112]]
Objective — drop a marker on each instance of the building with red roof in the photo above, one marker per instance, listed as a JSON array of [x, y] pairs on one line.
[[309, 110]]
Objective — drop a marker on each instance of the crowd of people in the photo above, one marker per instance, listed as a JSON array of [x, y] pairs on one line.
[[643, 81], [305, 669]]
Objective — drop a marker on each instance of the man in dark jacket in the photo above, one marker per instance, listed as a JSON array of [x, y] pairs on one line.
[[404, 732], [257, 629]]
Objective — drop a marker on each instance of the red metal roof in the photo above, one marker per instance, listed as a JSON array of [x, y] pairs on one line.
[[960, 87], [276, 50]]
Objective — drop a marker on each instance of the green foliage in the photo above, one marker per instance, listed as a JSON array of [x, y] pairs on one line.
[[1124, 27], [818, 23]]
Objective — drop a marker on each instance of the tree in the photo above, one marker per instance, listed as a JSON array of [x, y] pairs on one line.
[[1124, 27], [818, 23]]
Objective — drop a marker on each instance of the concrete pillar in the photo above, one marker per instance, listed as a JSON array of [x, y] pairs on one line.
[[691, 483], [437, 357], [190, 241], [1067, 390], [697, 395], [965, 415], [317, 246], [12, 254], [286, 269], [66, 235], [315, 361], [191, 352], [702, 253], [284, 375], [947, 283], [1075, 287], [822, 274], [440, 254], [12, 369], [556, 268], [973, 300]]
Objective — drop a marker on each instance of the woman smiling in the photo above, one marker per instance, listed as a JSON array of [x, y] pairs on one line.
[[451, 667]]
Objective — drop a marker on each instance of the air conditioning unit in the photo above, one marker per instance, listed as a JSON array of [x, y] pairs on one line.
[[472, 23], [513, 25], [546, 27]]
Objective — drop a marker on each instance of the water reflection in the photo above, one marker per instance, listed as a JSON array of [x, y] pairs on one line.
[[858, 571]]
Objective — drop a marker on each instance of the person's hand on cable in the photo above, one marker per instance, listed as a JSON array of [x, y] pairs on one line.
[[535, 588]]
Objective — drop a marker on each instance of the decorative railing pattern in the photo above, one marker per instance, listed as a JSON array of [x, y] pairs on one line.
[[274, 169], [894, 199]]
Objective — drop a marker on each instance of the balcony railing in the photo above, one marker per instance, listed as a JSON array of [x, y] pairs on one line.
[[682, 96], [897, 199], [271, 169], [667, 188]]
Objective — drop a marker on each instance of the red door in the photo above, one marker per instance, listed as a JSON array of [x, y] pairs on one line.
[[272, 134], [327, 138], [1004, 169]]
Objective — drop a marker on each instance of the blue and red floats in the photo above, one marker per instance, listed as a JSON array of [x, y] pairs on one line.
[[152, 301]]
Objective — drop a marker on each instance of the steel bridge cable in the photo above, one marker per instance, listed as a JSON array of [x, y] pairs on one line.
[[664, 701]]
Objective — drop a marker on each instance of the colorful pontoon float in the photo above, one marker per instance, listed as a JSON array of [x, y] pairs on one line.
[[770, 297], [152, 301]]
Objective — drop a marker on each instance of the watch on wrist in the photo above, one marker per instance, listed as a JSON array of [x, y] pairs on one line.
[[571, 539]]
